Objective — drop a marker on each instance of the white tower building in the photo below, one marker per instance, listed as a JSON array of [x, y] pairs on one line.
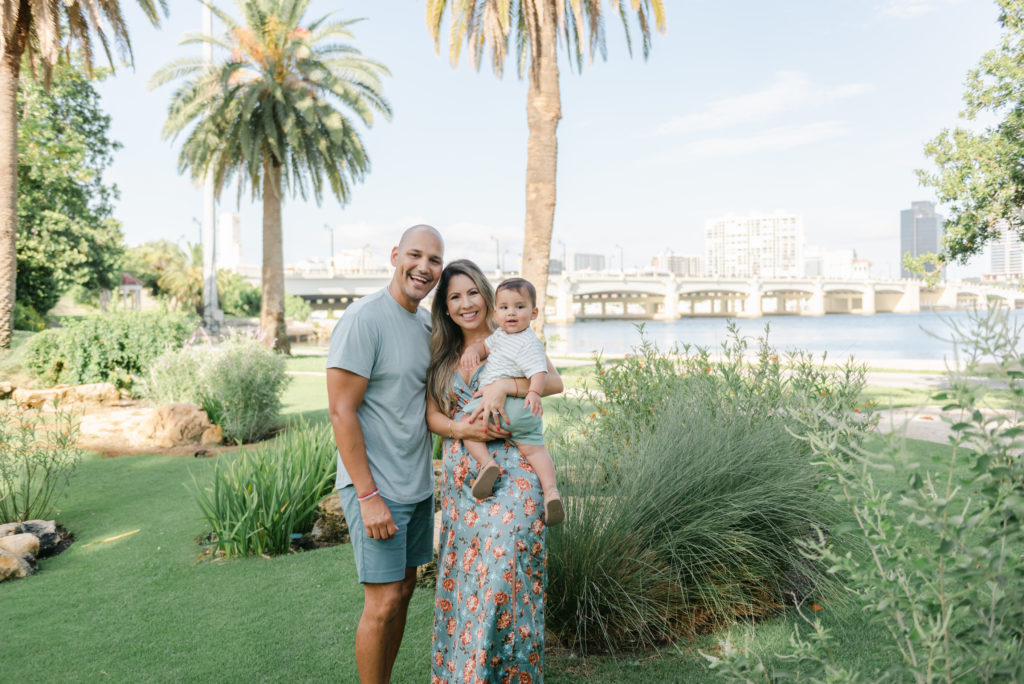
[[766, 246]]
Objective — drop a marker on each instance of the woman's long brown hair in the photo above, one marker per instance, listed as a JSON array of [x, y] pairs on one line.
[[446, 339]]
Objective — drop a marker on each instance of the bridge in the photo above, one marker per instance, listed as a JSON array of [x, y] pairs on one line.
[[628, 296]]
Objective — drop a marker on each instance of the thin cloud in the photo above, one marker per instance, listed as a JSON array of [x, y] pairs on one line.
[[789, 91], [773, 140], [908, 9]]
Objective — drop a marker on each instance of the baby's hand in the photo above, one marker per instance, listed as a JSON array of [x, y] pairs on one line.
[[533, 403], [470, 359]]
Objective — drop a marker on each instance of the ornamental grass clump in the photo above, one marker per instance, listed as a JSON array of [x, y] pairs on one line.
[[942, 582], [256, 500], [37, 456], [238, 383], [688, 489]]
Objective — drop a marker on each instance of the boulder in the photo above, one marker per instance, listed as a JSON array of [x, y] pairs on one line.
[[46, 532], [330, 526], [13, 567], [36, 398], [174, 425], [95, 393], [121, 426], [6, 389], [212, 435], [25, 546]]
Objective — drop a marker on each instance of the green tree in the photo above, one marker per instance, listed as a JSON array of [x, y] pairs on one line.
[[43, 30], [979, 174], [66, 233], [535, 26], [149, 261], [272, 113]]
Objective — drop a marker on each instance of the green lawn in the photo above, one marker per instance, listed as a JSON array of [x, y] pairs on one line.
[[144, 608]]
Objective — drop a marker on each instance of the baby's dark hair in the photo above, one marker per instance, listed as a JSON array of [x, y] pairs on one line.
[[520, 285]]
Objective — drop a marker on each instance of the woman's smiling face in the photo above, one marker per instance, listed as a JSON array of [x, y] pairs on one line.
[[466, 305]]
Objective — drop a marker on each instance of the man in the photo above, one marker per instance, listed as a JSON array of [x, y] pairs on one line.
[[376, 388]]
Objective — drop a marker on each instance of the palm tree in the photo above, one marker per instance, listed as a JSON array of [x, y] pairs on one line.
[[535, 26], [272, 114], [37, 28]]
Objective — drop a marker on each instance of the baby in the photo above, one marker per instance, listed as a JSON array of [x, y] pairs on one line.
[[513, 351]]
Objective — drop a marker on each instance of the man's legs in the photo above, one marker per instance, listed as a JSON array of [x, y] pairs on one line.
[[381, 626]]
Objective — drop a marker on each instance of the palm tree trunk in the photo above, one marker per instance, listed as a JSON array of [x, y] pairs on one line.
[[272, 327], [10, 68], [543, 110]]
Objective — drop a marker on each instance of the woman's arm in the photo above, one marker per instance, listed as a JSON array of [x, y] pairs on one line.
[[478, 431], [495, 393]]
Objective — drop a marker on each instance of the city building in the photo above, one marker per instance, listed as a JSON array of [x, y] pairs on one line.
[[835, 263], [555, 267], [766, 246], [920, 232], [685, 265], [1006, 254], [589, 262], [228, 253]]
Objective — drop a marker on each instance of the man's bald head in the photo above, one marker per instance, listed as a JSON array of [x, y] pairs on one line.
[[416, 231]]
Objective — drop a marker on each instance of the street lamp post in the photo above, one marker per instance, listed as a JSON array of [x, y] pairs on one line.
[[330, 229], [565, 261], [211, 313]]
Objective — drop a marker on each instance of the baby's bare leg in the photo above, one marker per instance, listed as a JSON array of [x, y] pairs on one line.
[[478, 450], [487, 469], [540, 460]]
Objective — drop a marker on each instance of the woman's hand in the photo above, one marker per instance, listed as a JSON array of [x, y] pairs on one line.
[[492, 404], [478, 430]]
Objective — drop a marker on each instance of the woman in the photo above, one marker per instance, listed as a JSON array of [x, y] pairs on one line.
[[489, 605]]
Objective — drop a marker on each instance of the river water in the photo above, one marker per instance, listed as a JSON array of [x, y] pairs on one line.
[[879, 336]]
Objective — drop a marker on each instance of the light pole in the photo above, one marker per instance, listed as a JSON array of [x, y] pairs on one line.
[[565, 261], [497, 253], [211, 313], [330, 229]]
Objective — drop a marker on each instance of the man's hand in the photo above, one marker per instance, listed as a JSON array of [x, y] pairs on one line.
[[377, 518]]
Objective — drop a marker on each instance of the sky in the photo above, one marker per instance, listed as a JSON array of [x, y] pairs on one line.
[[820, 109]]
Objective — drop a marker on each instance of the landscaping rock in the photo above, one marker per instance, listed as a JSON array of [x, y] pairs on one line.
[[330, 526], [212, 435], [6, 389], [46, 532], [37, 398], [100, 393], [13, 567], [25, 546], [122, 426], [175, 425]]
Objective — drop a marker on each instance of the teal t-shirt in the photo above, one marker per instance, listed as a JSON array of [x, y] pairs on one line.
[[380, 340]]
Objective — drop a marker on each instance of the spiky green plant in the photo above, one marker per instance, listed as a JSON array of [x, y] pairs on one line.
[[274, 112]]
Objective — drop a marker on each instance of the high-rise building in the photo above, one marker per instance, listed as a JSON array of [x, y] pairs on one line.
[[1006, 253], [920, 231], [686, 265], [229, 241], [832, 263], [588, 262], [767, 246]]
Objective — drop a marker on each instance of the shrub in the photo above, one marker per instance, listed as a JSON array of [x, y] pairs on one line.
[[37, 458], [237, 296], [258, 499], [114, 347], [27, 318], [688, 488], [238, 384], [944, 576], [296, 308]]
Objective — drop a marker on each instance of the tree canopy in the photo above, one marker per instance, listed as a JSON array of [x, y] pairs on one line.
[[979, 174], [66, 231]]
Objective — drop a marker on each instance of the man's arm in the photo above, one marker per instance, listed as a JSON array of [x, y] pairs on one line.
[[345, 391]]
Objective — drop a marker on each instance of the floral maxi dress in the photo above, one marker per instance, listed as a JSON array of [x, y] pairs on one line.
[[489, 603]]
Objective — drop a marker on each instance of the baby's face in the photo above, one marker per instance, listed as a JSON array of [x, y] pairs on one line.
[[513, 310]]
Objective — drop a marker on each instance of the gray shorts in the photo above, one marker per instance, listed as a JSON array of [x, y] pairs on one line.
[[381, 561]]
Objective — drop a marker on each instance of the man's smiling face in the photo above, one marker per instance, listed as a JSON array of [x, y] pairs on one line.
[[418, 260]]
